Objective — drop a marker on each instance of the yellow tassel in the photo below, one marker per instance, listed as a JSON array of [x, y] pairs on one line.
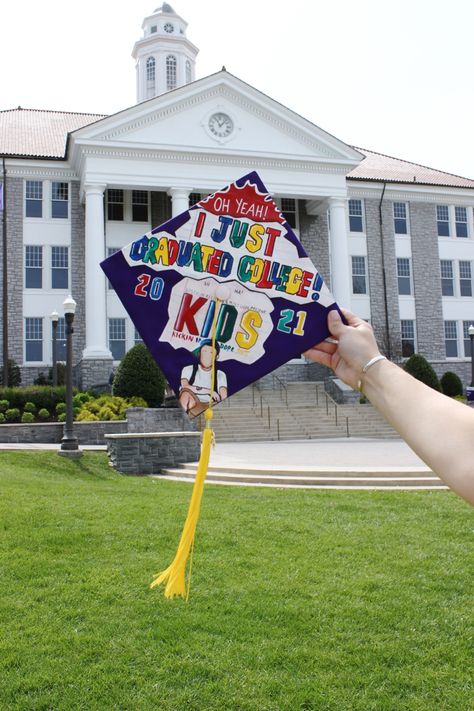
[[174, 575]]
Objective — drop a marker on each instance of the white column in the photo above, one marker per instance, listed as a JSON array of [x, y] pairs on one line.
[[96, 313], [179, 200], [340, 274]]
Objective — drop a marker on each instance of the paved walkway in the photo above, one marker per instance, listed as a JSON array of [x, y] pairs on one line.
[[351, 453]]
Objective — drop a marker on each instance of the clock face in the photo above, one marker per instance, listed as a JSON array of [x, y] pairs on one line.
[[221, 125], [168, 27]]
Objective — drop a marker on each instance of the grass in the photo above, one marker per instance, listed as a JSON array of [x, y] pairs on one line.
[[300, 600]]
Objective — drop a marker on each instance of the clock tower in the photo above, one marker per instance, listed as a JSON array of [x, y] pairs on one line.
[[165, 58]]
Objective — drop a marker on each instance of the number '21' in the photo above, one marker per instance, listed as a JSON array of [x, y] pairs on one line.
[[156, 287], [285, 322]]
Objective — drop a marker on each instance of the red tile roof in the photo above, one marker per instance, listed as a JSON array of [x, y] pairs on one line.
[[39, 134], [36, 133], [379, 167]]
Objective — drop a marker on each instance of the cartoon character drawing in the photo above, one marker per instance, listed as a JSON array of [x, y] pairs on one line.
[[196, 385]]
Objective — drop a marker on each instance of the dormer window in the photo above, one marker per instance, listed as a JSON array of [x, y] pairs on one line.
[[171, 72]]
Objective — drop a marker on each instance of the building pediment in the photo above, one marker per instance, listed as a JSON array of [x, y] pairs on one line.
[[219, 115]]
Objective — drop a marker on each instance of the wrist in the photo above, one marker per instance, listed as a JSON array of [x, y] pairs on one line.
[[374, 361]]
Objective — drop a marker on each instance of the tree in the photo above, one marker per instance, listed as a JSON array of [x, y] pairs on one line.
[[418, 366], [451, 384], [138, 375]]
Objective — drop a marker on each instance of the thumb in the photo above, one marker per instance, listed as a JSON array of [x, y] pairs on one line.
[[335, 324]]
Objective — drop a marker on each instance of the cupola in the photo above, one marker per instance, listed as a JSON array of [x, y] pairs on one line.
[[165, 58]]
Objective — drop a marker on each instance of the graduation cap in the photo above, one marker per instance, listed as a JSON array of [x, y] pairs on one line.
[[222, 294]]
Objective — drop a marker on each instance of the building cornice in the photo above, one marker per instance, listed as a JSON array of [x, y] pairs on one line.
[[411, 193], [27, 169]]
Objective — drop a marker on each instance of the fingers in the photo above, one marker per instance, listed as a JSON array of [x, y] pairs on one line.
[[319, 356]]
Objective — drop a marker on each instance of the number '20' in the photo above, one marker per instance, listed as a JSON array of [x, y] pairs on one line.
[[153, 290]]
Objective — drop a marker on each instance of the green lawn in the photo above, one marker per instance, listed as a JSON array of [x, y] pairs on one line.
[[300, 600]]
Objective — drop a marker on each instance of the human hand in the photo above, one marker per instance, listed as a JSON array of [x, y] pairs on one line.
[[355, 346]]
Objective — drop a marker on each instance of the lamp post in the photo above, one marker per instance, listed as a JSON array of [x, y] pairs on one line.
[[69, 444], [54, 321]]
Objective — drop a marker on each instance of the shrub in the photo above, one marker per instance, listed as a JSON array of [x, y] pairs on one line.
[[80, 398], [30, 407], [12, 414], [62, 417], [41, 396], [41, 379], [27, 417], [60, 408], [14, 374], [2, 418], [451, 384], [43, 414], [108, 407], [4, 405], [418, 366], [138, 375]]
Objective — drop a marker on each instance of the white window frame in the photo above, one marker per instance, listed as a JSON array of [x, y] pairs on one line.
[[359, 274], [404, 276], [408, 338], [362, 216], [452, 340], [397, 217], [39, 319]]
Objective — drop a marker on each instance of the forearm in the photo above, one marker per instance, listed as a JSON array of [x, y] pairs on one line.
[[440, 430]]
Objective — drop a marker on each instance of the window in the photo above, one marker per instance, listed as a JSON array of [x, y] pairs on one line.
[[289, 209], [359, 280], [139, 206], [59, 267], [60, 339], [115, 204], [59, 199], [460, 215], [150, 69], [194, 198], [355, 216], [188, 72], [465, 279], [408, 337], [447, 281], [400, 222], [404, 276], [442, 218], [153, 29], [137, 338], [117, 337], [451, 339], [33, 267], [33, 339], [170, 72], [34, 198], [110, 251], [466, 338]]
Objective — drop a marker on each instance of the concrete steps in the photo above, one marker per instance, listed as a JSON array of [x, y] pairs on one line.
[[297, 411], [364, 478]]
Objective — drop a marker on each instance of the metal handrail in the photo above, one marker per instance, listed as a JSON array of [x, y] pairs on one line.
[[282, 386]]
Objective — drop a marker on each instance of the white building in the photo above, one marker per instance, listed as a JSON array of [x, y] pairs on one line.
[[394, 240]]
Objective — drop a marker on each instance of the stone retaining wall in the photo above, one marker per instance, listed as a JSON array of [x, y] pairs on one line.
[[52, 432], [149, 453], [340, 392]]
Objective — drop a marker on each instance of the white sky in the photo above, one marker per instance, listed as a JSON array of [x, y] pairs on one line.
[[394, 77]]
